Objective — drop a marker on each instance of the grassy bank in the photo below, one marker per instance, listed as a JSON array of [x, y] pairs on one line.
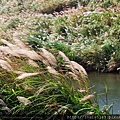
[[43, 45], [40, 84]]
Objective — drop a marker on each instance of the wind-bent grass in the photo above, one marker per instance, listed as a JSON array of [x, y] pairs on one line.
[[53, 95], [89, 34], [50, 96], [45, 93], [28, 85]]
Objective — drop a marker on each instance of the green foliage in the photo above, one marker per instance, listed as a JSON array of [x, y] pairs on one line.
[[56, 96], [92, 40], [64, 48], [96, 37], [13, 23], [107, 3]]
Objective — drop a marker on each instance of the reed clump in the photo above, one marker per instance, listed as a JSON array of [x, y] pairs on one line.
[[49, 89], [44, 50]]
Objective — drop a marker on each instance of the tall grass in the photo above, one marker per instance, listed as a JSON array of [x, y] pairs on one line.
[[50, 96], [93, 39], [50, 86]]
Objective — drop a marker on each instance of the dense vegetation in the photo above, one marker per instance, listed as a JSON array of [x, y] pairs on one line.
[[41, 44], [89, 34]]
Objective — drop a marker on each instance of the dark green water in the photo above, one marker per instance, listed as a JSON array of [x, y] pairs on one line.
[[113, 83]]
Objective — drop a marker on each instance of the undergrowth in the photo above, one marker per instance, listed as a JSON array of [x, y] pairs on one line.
[[86, 31]]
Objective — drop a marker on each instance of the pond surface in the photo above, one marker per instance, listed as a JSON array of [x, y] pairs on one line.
[[113, 83]]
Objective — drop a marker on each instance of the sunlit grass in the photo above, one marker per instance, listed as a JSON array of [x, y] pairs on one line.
[[92, 40]]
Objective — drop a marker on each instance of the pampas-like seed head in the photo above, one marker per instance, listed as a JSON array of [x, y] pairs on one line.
[[6, 109], [85, 98], [23, 100], [76, 67], [24, 75], [6, 50], [73, 75], [52, 70], [90, 113], [5, 65], [65, 58], [9, 44], [49, 57], [34, 64], [79, 68], [81, 91], [18, 42], [2, 103]]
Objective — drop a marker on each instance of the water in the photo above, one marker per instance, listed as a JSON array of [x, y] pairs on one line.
[[113, 83]]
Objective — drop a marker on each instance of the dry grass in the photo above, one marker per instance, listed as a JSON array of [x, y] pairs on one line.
[[65, 58], [85, 98], [21, 50], [23, 100], [33, 63], [52, 70], [24, 75], [75, 67], [4, 106], [49, 57], [5, 65], [41, 73]]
